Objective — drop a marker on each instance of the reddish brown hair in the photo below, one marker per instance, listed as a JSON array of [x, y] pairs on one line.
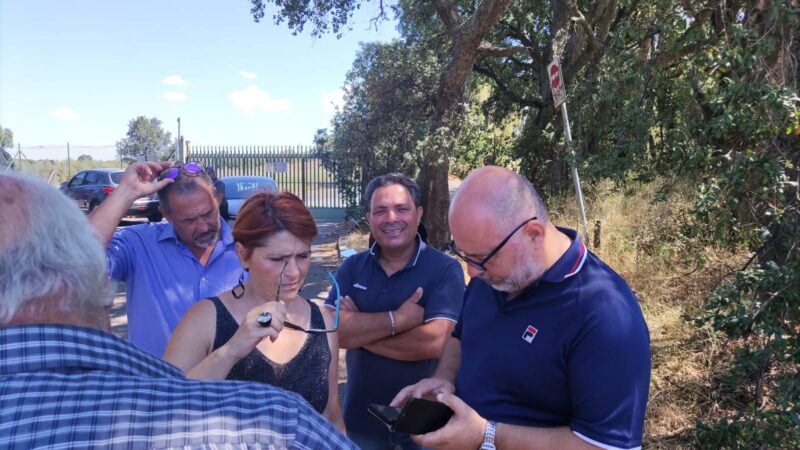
[[265, 214]]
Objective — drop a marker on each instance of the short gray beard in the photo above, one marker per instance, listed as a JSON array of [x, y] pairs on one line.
[[207, 244], [521, 277]]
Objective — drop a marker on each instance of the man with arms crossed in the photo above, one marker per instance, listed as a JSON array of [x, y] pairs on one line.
[[551, 350], [67, 382], [400, 300], [166, 266]]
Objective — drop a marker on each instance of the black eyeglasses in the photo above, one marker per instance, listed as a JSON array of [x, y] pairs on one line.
[[172, 172], [481, 265], [288, 324]]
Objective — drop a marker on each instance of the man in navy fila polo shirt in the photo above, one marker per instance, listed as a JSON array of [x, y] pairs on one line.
[[551, 350], [400, 301]]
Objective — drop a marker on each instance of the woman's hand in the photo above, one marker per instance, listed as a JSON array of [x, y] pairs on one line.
[[250, 332]]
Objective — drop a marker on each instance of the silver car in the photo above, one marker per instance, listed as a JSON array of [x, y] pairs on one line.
[[238, 189]]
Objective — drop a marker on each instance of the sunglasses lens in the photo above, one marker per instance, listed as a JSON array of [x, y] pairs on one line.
[[192, 168], [170, 172]]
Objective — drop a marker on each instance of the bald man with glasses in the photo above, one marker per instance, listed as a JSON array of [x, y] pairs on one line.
[[551, 350]]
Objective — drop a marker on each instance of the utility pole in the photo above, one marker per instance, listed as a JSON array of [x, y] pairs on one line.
[[69, 164]]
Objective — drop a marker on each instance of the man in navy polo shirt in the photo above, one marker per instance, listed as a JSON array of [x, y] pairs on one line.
[[551, 350], [400, 301]]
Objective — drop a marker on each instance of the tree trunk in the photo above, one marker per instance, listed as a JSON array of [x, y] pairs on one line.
[[448, 113]]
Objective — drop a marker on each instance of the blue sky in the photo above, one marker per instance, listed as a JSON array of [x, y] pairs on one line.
[[78, 71]]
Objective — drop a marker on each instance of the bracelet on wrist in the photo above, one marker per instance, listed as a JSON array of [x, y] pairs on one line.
[[489, 435], [391, 321]]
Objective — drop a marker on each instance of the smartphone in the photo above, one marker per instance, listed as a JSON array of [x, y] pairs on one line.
[[386, 414], [418, 416]]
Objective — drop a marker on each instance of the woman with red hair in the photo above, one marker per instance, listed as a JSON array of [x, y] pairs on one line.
[[262, 330]]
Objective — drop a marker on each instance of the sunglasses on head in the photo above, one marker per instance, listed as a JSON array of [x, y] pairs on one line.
[[172, 172]]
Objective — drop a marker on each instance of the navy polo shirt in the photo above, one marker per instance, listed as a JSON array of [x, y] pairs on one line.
[[373, 378], [572, 350]]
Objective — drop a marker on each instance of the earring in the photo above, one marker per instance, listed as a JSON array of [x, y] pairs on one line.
[[240, 286]]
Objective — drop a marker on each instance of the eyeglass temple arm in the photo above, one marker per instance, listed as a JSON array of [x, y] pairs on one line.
[[338, 299], [288, 324], [280, 282]]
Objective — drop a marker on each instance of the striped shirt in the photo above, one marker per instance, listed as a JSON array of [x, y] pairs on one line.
[[72, 387]]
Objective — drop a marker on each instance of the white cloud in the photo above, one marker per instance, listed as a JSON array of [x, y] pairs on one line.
[[252, 99], [248, 75], [29, 99], [174, 96], [332, 101], [65, 113], [174, 80]]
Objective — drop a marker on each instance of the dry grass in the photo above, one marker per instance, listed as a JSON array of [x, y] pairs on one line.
[[358, 240], [672, 279]]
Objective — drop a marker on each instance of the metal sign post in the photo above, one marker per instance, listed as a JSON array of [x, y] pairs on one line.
[[560, 99]]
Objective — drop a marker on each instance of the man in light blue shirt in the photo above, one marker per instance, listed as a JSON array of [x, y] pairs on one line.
[[166, 266]]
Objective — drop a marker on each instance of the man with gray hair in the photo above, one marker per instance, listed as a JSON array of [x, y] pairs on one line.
[[66, 382], [166, 266], [551, 350], [400, 301]]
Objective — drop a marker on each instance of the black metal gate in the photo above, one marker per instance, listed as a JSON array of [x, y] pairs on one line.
[[294, 168]]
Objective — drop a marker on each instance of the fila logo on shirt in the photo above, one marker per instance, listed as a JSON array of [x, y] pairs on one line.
[[529, 334]]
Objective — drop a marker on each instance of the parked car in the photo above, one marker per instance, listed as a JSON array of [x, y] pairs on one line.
[[91, 187], [238, 189]]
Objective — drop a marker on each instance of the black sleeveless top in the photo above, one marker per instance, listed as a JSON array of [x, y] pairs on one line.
[[306, 373]]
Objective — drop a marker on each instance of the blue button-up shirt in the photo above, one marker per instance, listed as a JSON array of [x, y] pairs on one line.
[[73, 387], [163, 278]]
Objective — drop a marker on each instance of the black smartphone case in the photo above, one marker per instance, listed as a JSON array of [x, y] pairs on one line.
[[418, 416]]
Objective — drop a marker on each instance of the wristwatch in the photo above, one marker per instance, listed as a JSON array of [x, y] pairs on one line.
[[488, 436]]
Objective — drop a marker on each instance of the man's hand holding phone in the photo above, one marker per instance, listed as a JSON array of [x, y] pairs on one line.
[[417, 416], [464, 430], [425, 388]]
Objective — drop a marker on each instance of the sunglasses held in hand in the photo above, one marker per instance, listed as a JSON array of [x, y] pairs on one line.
[[265, 318]]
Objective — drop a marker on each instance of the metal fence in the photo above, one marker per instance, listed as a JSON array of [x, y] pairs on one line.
[[295, 168]]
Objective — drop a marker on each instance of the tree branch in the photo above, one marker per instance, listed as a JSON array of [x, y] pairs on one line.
[[448, 14], [533, 48], [580, 20], [506, 90], [482, 20], [373, 22], [665, 59], [487, 49], [610, 14]]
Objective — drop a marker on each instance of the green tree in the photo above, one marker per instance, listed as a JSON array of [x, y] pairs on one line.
[[85, 158], [385, 117], [6, 141], [462, 42], [146, 139], [6, 137]]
